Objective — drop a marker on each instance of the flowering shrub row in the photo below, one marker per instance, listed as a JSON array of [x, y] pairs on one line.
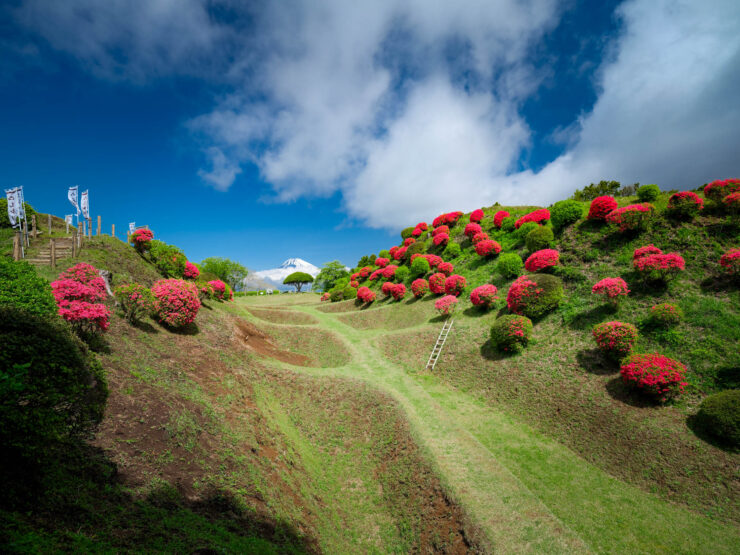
[[382, 262], [542, 260], [659, 267], [446, 219], [538, 216], [632, 217], [616, 339], [441, 239], [484, 296], [732, 202], [420, 228], [684, 204], [719, 189], [365, 295], [654, 374]]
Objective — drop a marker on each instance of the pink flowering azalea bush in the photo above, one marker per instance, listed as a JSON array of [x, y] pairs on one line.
[[206, 292], [440, 229], [176, 301], [612, 289], [476, 216], [634, 217], [393, 250], [409, 241], [730, 261], [325, 297], [389, 271], [387, 288], [437, 283], [135, 300], [616, 339], [399, 291], [141, 239], [382, 262], [659, 267], [446, 219], [191, 271], [441, 239], [487, 247], [654, 374], [433, 260], [76, 293], [71, 290], [732, 203], [446, 305], [85, 317], [685, 204], [446, 268], [719, 189], [455, 284], [542, 260], [86, 274], [499, 216], [665, 315], [419, 287], [365, 295], [478, 237], [534, 295], [538, 216], [219, 289], [471, 229], [400, 253], [645, 251], [485, 295], [354, 283], [600, 207], [511, 333]]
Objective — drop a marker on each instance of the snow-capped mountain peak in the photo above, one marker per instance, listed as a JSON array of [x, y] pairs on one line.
[[276, 276]]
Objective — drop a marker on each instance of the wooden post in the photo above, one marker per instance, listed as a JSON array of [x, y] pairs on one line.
[[17, 246], [48, 217], [53, 249], [99, 223], [74, 243], [24, 232], [89, 228], [34, 232], [113, 230], [67, 224]]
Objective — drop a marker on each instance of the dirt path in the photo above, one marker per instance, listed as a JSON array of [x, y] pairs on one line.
[[526, 493]]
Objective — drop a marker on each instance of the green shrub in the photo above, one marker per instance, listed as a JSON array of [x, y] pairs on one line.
[[719, 416], [535, 295], [511, 332], [136, 301], [568, 273], [539, 238], [402, 273], [21, 287], [420, 266], [169, 260], [508, 224], [525, 229], [648, 193], [666, 315], [5, 221], [415, 248], [349, 293], [51, 387], [385, 254], [509, 264], [452, 250], [336, 295], [565, 212], [407, 232]]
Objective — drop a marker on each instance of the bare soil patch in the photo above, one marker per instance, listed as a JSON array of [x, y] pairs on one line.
[[260, 343]]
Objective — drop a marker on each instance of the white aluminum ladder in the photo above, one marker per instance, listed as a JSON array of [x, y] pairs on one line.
[[434, 356]]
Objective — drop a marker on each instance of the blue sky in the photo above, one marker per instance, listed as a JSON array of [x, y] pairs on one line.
[[317, 129]]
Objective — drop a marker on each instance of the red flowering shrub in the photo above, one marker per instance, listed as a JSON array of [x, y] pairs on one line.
[[616, 339], [387, 288], [381, 262], [393, 250], [478, 237], [511, 333], [354, 276], [416, 232], [433, 260], [141, 239], [422, 226], [476, 216], [85, 274], [419, 287], [684, 204], [659, 267], [437, 283], [365, 271], [719, 189], [376, 274], [612, 289], [365, 295], [631, 218], [499, 216], [71, 290], [600, 207], [655, 374], [176, 301], [325, 297], [389, 271], [206, 292], [446, 305], [446, 268], [409, 241], [455, 284], [732, 202], [730, 261], [441, 239], [85, 317], [645, 251], [534, 295], [400, 253], [219, 289], [191, 271], [538, 216], [136, 301], [541, 260], [487, 247], [666, 315], [440, 229], [354, 283], [484, 296], [398, 291], [471, 229]]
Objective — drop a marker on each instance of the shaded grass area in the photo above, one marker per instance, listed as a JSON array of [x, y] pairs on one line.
[[320, 347], [284, 316]]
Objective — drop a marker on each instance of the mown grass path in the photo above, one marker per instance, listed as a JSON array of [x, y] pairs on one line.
[[525, 492]]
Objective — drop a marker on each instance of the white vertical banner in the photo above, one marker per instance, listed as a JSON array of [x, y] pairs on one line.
[[131, 227], [72, 196], [13, 206], [68, 219], [21, 204], [85, 204]]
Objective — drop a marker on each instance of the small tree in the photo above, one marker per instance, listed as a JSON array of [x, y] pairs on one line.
[[298, 280], [226, 270], [329, 274]]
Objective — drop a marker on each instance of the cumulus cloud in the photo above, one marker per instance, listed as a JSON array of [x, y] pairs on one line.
[[412, 108]]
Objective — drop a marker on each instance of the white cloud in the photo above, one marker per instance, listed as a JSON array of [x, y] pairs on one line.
[[223, 170]]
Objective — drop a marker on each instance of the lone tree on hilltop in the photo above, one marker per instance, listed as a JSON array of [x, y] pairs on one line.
[[226, 270], [298, 280], [329, 275]]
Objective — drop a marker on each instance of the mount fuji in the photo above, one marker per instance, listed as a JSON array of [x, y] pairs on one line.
[[274, 278]]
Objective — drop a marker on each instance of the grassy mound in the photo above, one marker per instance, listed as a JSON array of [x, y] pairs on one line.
[[283, 316], [320, 348]]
